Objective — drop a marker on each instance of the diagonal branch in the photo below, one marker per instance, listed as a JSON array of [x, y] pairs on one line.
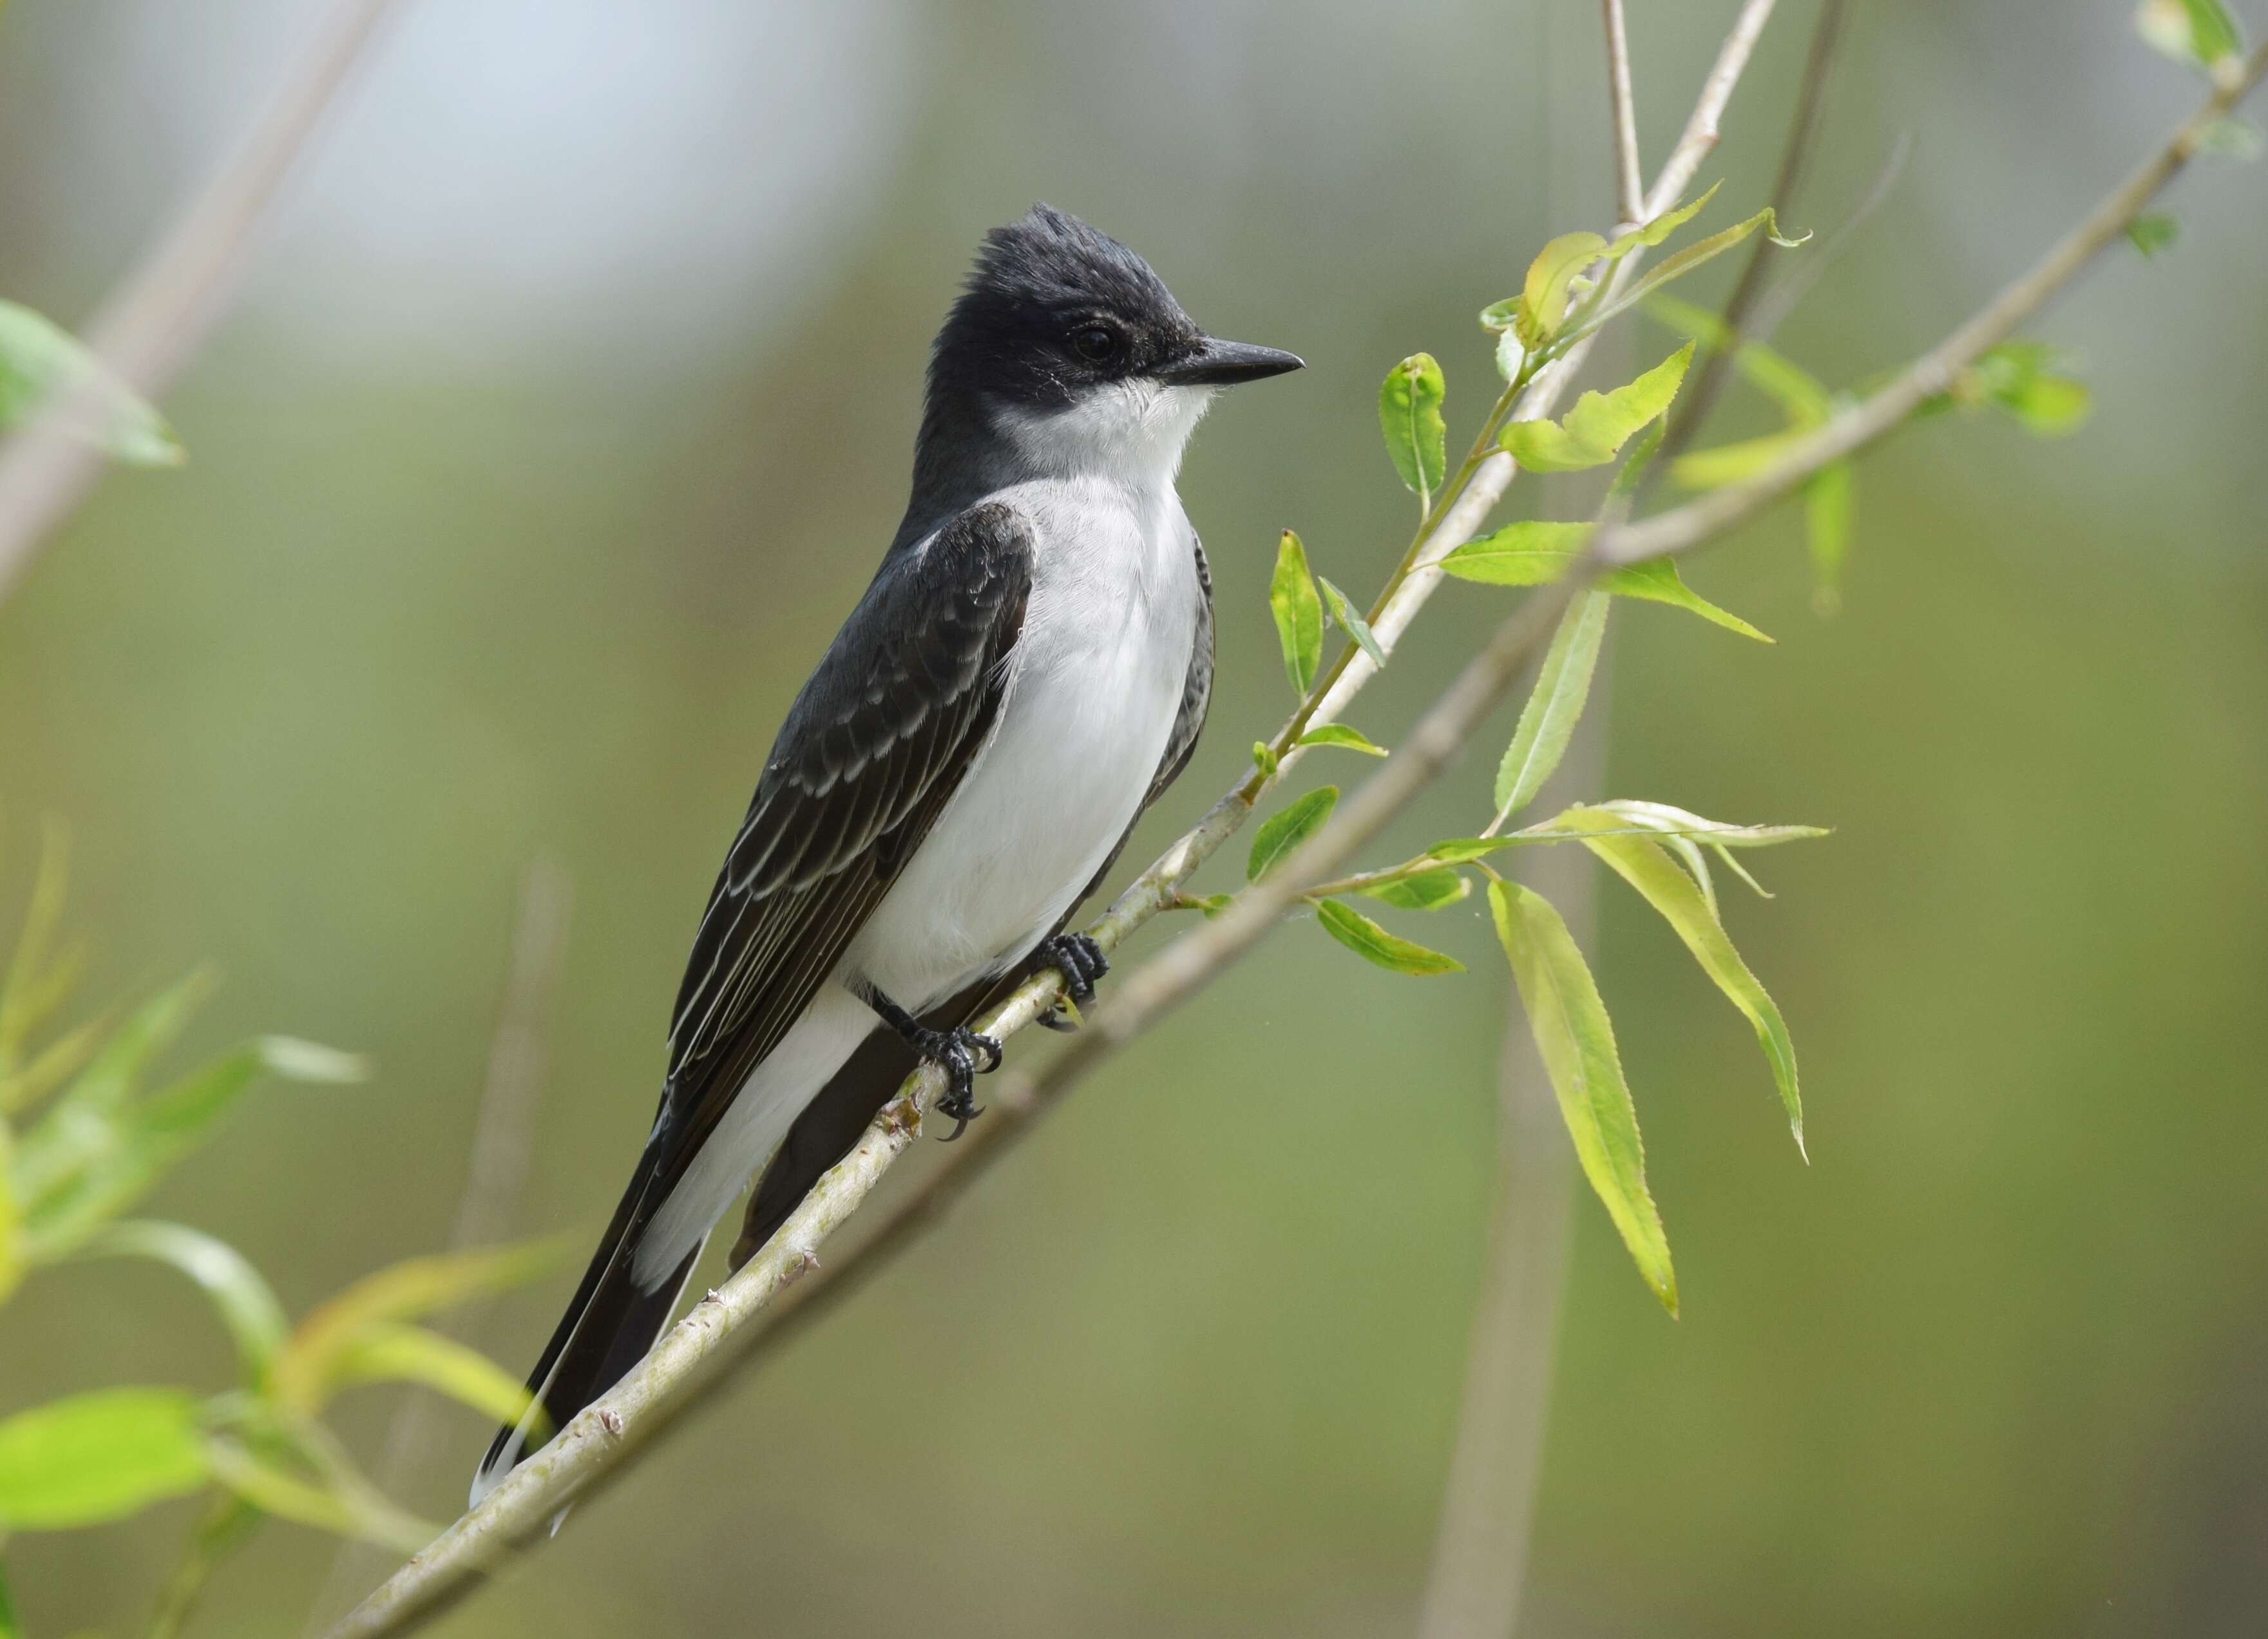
[[153, 323]]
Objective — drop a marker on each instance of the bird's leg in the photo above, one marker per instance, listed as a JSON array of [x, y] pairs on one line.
[[1081, 961], [961, 1053]]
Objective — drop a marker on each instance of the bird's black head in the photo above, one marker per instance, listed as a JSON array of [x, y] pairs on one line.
[[1054, 309]]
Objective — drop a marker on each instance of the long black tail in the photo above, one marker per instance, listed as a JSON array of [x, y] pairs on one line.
[[606, 1331]]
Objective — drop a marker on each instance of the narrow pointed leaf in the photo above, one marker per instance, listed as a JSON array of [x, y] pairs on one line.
[[1427, 890], [1661, 227], [1353, 622], [392, 1353], [1642, 863], [1661, 817], [98, 1456], [306, 1370], [1594, 433], [1658, 581], [1677, 266], [45, 373], [1367, 939], [1548, 721], [1576, 1044], [1410, 416], [1829, 501], [1542, 302], [1340, 735], [1298, 612], [345, 1511], [1287, 827], [246, 1304]]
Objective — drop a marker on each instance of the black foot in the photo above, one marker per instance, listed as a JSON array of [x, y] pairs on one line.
[[1079, 960], [963, 1053]]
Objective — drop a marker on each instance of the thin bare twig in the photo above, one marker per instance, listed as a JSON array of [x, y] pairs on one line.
[[155, 321], [1630, 183], [496, 1175], [1771, 310]]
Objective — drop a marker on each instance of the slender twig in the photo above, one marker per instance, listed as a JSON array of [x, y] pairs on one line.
[[690, 1358], [1700, 395], [1771, 310], [1630, 183], [488, 1208], [155, 321]]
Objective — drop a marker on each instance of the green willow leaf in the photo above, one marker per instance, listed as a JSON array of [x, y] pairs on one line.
[[1340, 735], [1410, 416], [392, 1353], [1548, 721], [45, 372], [1427, 890], [1287, 827], [1354, 625], [2154, 232], [307, 1370], [344, 1506], [1594, 432], [1541, 307], [1463, 850], [1576, 1042], [1298, 612], [1829, 502], [93, 1457], [1367, 939], [1537, 554], [246, 1304], [1677, 267], [2199, 33], [1643, 863]]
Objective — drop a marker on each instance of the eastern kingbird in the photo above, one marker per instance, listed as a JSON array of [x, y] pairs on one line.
[[1027, 672]]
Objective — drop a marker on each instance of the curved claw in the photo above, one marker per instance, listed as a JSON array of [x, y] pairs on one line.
[[1079, 959]]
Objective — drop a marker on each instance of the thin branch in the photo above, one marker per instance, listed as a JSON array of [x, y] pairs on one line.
[[690, 1358], [1795, 157], [155, 321], [1630, 183], [1794, 286], [496, 1175]]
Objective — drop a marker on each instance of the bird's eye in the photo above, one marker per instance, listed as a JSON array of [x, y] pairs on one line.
[[1098, 343]]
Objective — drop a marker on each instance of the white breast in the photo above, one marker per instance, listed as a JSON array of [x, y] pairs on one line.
[[1094, 686]]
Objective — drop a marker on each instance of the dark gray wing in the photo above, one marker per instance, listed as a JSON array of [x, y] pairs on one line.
[[872, 751], [1196, 691]]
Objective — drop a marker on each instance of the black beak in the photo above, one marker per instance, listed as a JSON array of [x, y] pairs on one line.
[[1215, 363]]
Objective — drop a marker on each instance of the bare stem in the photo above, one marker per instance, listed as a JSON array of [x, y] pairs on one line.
[[1630, 184], [154, 321]]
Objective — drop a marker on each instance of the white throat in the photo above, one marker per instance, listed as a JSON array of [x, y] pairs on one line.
[[1128, 432]]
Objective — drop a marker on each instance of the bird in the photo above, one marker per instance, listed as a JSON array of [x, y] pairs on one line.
[[1028, 671]]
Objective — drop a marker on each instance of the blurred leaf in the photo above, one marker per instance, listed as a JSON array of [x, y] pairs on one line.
[[1662, 818], [83, 1124], [43, 371], [1677, 266], [246, 1304], [1427, 891], [1352, 623], [1830, 499], [2197, 31], [2022, 378], [97, 1457], [1511, 357], [1800, 395], [1367, 939], [1548, 721], [1211, 904], [1632, 472], [2154, 232], [10, 1625], [1287, 827], [2231, 139], [1340, 735], [1593, 433], [11, 1219], [1577, 1044], [390, 1352], [306, 1370], [1642, 862], [355, 1510], [1298, 612], [1410, 416], [310, 1063], [1731, 463], [35, 987]]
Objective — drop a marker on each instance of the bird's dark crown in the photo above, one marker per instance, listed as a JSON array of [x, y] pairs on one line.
[[1054, 306]]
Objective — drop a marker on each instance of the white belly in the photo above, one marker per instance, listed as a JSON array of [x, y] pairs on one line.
[[1096, 685]]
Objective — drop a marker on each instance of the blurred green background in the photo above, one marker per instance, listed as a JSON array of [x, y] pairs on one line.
[[565, 413]]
